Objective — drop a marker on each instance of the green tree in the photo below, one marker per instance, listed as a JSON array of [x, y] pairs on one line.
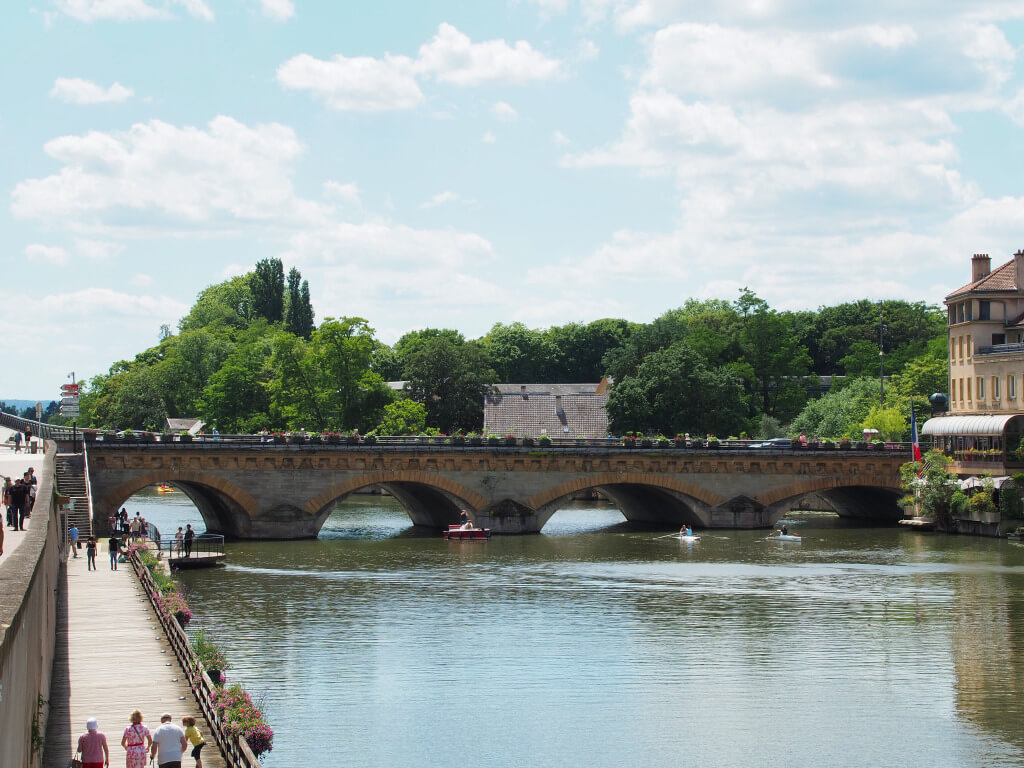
[[354, 394], [236, 397], [228, 304], [451, 380], [675, 391], [298, 311], [521, 354], [581, 347], [890, 422], [127, 399], [403, 417], [931, 486], [838, 413], [776, 358], [266, 283]]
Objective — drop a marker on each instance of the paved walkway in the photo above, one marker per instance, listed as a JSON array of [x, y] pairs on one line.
[[13, 465], [112, 658]]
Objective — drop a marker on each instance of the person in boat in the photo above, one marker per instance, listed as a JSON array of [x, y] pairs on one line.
[[784, 531], [465, 524], [686, 530]]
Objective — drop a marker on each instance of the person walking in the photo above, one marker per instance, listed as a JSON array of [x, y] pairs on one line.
[[73, 539], [136, 524], [169, 743], [17, 441], [195, 738], [90, 554], [8, 504], [93, 746], [189, 535], [113, 547], [179, 537], [136, 741], [19, 502]]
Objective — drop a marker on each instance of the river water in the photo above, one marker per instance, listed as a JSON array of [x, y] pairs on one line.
[[595, 645]]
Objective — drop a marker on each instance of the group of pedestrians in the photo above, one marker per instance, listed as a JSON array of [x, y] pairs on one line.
[[166, 744], [19, 497]]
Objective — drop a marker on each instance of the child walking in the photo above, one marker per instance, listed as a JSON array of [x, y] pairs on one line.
[[195, 737], [90, 553]]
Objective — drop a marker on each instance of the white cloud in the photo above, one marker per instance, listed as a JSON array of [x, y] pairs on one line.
[[560, 138], [157, 174], [128, 10], [107, 302], [368, 84], [360, 83], [75, 90], [346, 193], [587, 50], [142, 280], [278, 10], [504, 111], [453, 58], [47, 254], [489, 138], [97, 250], [440, 199]]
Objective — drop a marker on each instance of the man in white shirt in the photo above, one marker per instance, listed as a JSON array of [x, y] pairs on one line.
[[169, 740]]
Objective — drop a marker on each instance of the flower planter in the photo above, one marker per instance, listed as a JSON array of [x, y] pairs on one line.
[[679, 443], [296, 440], [527, 441], [352, 440], [316, 440], [510, 441], [458, 441], [493, 441], [370, 440], [184, 438], [476, 441], [216, 676], [629, 443], [333, 439], [646, 444]]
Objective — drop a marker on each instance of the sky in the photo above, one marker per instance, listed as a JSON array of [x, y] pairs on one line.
[[453, 164]]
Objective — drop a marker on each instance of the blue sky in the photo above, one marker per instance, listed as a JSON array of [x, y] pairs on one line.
[[461, 164]]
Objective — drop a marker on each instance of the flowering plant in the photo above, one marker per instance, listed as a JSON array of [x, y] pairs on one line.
[[171, 603], [241, 717]]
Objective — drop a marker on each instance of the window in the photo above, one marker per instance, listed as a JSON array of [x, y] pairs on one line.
[[961, 390], [981, 387], [984, 310], [952, 348], [998, 338], [969, 398], [1011, 387], [995, 387], [960, 344]]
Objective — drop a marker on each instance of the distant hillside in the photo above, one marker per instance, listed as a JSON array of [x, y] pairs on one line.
[[21, 404]]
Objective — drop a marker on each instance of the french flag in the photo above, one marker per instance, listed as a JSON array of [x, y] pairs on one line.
[[913, 433]]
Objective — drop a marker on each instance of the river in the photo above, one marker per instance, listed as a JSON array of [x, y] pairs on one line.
[[595, 645]]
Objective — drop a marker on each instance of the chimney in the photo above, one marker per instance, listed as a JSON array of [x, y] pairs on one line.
[[522, 390], [1018, 265], [558, 403], [981, 265]]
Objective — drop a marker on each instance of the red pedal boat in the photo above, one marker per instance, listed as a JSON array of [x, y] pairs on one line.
[[458, 533]]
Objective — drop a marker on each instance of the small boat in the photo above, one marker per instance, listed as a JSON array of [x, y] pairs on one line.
[[785, 537], [1016, 535], [165, 489], [684, 537], [458, 533]]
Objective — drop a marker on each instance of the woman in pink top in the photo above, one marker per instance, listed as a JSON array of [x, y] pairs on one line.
[[93, 746], [136, 741]]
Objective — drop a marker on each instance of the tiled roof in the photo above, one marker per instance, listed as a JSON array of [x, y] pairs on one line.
[[1002, 278], [582, 414], [184, 425], [547, 389]]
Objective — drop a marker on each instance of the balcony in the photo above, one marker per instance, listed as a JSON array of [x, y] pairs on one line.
[[999, 349]]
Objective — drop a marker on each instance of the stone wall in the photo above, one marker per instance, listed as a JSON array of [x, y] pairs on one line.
[[28, 608]]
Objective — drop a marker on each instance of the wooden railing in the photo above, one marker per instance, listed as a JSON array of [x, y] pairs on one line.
[[235, 749]]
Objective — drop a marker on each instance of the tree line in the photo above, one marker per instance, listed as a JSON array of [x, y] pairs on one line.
[[250, 355]]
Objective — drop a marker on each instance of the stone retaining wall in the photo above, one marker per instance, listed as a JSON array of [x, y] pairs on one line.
[[28, 610]]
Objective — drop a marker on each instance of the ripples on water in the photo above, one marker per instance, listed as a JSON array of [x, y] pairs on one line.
[[595, 645]]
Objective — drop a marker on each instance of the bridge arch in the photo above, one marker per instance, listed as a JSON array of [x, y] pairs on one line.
[[429, 499], [851, 498], [225, 508], [641, 497]]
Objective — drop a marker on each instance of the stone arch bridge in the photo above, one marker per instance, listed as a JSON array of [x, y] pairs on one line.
[[266, 491]]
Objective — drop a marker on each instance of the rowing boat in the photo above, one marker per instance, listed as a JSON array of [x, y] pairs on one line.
[[458, 533], [683, 537], [785, 537]]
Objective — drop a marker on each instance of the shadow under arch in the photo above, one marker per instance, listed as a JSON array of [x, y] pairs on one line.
[[429, 499], [226, 509], [856, 501], [645, 499]]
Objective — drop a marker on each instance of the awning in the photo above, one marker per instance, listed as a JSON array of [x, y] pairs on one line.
[[978, 482], [968, 425]]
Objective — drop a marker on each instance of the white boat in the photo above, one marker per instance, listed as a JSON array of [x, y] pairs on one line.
[[785, 537], [684, 537]]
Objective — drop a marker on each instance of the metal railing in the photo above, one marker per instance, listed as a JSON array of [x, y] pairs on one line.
[[203, 545], [214, 442], [999, 349], [235, 749], [39, 428]]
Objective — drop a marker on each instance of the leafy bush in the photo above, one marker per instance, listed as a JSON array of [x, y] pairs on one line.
[[241, 717]]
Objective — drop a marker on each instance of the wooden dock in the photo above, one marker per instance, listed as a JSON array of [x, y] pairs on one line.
[[112, 657]]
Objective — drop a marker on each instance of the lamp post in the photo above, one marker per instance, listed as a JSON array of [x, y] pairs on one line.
[[881, 358]]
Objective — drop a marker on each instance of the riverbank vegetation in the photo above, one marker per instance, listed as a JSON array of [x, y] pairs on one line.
[[250, 355]]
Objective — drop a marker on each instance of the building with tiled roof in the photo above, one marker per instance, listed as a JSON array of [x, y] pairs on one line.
[[986, 339], [556, 410]]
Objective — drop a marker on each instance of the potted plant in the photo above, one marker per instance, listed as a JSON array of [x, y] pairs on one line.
[[510, 439], [544, 440], [680, 441], [474, 438], [528, 441], [646, 442], [845, 444], [352, 438], [629, 441], [184, 437], [458, 439], [713, 442], [827, 445], [209, 657], [493, 440], [316, 439]]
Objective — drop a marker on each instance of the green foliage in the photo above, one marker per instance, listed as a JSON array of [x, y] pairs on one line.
[[228, 304], [298, 311], [1011, 497], [403, 417], [839, 413], [936, 487], [890, 422], [520, 354], [982, 503], [266, 283], [674, 391], [450, 379]]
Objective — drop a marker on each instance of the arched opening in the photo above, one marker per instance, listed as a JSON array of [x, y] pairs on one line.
[[637, 504], [354, 513], [173, 502], [857, 504]]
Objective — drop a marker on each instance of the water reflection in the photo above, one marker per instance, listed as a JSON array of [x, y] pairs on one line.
[[597, 644]]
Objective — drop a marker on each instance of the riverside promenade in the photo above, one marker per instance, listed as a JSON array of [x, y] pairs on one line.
[[14, 465], [111, 658]]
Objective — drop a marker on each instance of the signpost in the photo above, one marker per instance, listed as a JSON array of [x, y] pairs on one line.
[[69, 404]]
